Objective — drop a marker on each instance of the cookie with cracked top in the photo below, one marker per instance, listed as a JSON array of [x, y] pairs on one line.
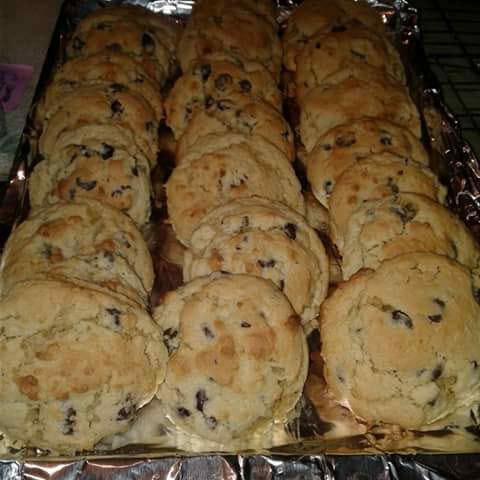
[[238, 33], [251, 117], [94, 170], [111, 105], [85, 241], [313, 16], [261, 237], [401, 343], [349, 97], [217, 176], [210, 82], [341, 147], [354, 44], [374, 178], [105, 68], [404, 223], [238, 356], [75, 364]]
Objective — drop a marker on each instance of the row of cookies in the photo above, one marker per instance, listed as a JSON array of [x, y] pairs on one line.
[[98, 119], [400, 336], [254, 270], [79, 352]]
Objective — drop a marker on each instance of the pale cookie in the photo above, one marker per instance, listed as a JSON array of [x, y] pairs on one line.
[[328, 106], [115, 105], [374, 178], [210, 82], [240, 34], [94, 170], [165, 27], [341, 147], [264, 238], [313, 16], [404, 223], [401, 344], [238, 356], [239, 114], [84, 241], [126, 36], [326, 53], [104, 68], [213, 179], [75, 365]]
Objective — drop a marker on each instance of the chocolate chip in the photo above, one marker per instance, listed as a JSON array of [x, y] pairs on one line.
[[435, 318], [209, 101], [358, 54], [134, 171], [406, 212], [201, 398], [386, 140], [126, 412], [183, 412], [107, 151], [245, 86], [222, 81], [119, 191], [115, 313], [346, 140], [70, 420], [117, 108], [109, 256], [245, 325], [281, 285], [338, 28], [151, 126], [328, 187], [86, 185], [392, 185], [46, 251], [224, 104], [266, 263], [207, 332], [148, 43], [439, 302], [474, 364], [168, 336], [205, 71], [211, 422], [291, 230], [85, 151], [78, 44], [437, 372], [401, 317]]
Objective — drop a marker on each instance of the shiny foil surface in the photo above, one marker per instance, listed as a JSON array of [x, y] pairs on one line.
[[321, 440]]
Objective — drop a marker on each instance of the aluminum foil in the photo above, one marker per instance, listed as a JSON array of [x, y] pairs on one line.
[[297, 449]]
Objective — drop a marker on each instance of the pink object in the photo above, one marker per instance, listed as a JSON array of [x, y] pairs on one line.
[[13, 83]]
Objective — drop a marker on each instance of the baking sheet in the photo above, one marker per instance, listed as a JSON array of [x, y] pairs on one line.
[[320, 424]]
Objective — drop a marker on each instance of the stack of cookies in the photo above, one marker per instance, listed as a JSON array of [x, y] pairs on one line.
[[255, 271], [401, 335], [79, 351]]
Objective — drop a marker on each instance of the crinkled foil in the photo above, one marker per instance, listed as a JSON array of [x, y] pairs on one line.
[[322, 440]]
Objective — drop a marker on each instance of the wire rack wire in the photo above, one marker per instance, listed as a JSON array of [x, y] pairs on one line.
[[451, 34]]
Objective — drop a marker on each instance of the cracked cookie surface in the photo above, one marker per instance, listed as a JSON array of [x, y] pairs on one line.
[[404, 223], [238, 356], [401, 344], [264, 238], [75, 364]]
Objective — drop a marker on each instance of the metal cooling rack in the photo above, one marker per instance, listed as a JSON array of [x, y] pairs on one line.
[[451, 34]]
